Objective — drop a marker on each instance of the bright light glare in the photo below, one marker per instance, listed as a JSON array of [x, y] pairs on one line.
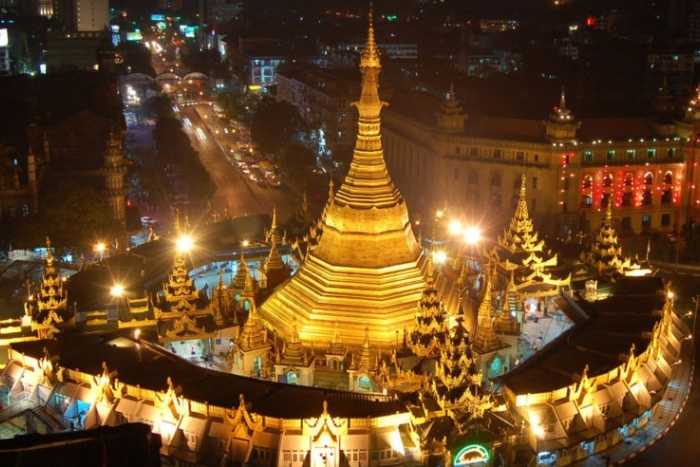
[[184, 244], [472, 235], [100, 247], [455, 227], [440, 256], [117, 290]]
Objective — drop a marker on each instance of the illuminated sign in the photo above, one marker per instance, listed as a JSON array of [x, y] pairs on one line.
[[471, 455], [157, 17], [134, 36], [4, 38], [191, 31]]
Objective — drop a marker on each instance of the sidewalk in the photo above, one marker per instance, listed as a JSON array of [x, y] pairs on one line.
[[665, 416]]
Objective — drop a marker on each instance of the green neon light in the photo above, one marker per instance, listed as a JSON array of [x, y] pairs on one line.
[[471, 454]]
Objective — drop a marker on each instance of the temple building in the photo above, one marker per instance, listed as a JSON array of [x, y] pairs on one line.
[[366, 271]]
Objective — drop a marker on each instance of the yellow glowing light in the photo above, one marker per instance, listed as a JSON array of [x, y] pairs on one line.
[[184, 244], [117, 290], [472, 235], [455, 227], [440, 256]]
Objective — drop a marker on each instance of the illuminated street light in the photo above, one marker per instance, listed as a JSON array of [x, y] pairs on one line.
[[117, 290], [472, 235], [100, 249], [184, 244]]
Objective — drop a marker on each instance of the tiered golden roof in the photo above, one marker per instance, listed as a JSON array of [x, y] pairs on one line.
[[52, 297], [254, 334], [605, 252], [507, 321], [294, 352], [485, 339], [366, 269], [431, 318], [520, 253]]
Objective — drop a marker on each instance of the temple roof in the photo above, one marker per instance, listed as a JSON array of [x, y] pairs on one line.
[[606, 329], [150, 366]]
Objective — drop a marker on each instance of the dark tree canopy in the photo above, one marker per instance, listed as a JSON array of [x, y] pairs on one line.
[[78, 217], [275, 125]]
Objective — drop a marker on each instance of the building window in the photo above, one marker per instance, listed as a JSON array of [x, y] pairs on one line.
[[668, 178], [646, 197], [666, 197], [496, 180], [630, 154], [626, 222], [671, 153], [651, 153], [626, 198], [537, 157], [456, 149], [496, 153], [587, 200], [534, 182], [646, 220], [611, 155], [588, 156], [607, 180], [665, 220], [587, 182], [473, 152], [519, 156]]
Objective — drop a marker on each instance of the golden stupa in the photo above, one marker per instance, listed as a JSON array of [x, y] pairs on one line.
[[366, 271]]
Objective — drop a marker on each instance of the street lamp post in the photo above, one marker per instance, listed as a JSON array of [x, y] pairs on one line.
[[695, 300]]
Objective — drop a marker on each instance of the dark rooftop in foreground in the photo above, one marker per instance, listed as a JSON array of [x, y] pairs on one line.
[[614, 325], [150, 367]]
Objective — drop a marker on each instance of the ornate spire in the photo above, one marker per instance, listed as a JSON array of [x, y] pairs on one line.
[[366, 262], [370, 56], [486, 339], [367, 184], [560, 127], [254, 333], [451, 116]]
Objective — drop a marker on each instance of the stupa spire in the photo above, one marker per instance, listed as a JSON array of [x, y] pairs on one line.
[[366, 262]]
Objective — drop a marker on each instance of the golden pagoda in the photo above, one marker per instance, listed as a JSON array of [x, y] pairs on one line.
[[604, 253], [51, 312], [366, 271], [521, 256]]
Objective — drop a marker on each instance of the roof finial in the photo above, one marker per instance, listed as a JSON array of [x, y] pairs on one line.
[[562, 99], [370, 57]]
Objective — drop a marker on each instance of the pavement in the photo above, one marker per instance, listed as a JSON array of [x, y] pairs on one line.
[[664, 417]]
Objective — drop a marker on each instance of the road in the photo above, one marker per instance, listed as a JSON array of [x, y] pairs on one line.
[[235, 193], [681, 445]]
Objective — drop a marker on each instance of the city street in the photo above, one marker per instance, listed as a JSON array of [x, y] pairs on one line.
[[235, 195]]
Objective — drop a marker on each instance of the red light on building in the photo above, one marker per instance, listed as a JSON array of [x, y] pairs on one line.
[[590, 21]]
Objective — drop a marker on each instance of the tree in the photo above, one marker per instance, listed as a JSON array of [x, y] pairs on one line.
[[275, 125], [7, 165], [78, 215]]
